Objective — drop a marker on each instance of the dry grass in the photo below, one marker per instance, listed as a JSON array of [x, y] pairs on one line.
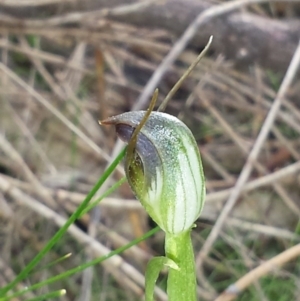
[[57, 82]]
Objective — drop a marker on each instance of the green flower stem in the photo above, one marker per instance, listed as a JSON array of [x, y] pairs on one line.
[[181, 282]]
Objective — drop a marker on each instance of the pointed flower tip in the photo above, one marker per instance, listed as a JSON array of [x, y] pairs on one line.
[[108, 121]]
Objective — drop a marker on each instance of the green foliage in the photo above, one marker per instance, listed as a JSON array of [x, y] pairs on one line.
[[274, 288], [55, 239], [287, 131], [274, 79], [229, 266]]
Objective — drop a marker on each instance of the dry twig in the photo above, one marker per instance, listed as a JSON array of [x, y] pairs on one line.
[[245, 173], [234, 289], [115, 265]]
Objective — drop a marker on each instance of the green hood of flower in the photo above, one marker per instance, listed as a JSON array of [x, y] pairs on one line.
[[165, 172]]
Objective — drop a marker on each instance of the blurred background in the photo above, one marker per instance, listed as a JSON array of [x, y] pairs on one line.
[[66, 64]]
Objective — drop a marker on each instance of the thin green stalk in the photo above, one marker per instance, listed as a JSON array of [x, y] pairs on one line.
[[104, 195], [23, 274], [83, 266], [49, 296], [181, 282], [52, 263]]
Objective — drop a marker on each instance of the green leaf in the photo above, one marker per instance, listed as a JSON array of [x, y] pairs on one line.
[[23, 274], [154, 267]]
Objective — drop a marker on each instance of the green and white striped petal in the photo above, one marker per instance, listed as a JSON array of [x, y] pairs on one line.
[[166, 172]]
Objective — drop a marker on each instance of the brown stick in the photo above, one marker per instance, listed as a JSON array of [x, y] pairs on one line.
[[243, 37], [233, 290], [246, 171]]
